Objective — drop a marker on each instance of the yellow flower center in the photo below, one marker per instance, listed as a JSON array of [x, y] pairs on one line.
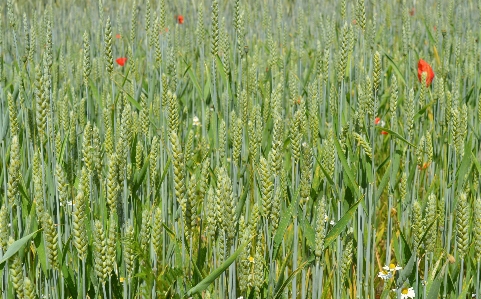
[[404, 291], [392, 266]]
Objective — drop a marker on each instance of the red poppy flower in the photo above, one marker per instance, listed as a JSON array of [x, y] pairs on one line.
[[424, 67], [180, 19], [118, 36], [121, 61], [379, 122], [384, 133], [424, 166]]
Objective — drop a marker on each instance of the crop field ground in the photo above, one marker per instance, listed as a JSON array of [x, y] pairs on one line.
[[240, 149]]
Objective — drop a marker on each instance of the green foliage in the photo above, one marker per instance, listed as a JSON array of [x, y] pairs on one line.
[[265, 150]]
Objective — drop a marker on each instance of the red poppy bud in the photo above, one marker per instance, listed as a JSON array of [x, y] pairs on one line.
[[424, 67], [118, 36]]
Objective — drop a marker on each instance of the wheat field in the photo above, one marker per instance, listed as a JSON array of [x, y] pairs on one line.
[[240, 149]]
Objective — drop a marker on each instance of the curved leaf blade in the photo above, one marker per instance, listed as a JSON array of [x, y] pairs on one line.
[[204, 284], [16, 246], [291, 277], [341, 225]]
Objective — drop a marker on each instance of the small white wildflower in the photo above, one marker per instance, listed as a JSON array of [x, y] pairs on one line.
[[326, 218], [392, 267], [407, 293], [385, 275], [196, 121], [332, 222]]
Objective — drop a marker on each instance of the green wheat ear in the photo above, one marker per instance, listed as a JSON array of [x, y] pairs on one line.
[[361, 14], [320, 227], [28, 288], [16, 272], [157, 231], [128, 249], [79, 216], [87, 68], [266, 182], [112, 186], [244, 257], [462, 225], [158, 47], [477, 228], [4, 220], [99, 251], [431, 216], [178, 170], [343, 52], [13, 170], [364, 144], [377, 72], [12, 113], [417, 227], [108, 57], [51, 240], [145, 230], [111, 243]]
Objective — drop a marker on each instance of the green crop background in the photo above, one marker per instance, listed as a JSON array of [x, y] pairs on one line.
[[258, 149]]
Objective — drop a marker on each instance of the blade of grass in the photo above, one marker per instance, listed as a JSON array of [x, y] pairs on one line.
[[15, 247], [291, 277], [341, 225], [395, 134], [347, 170], [217, 272]]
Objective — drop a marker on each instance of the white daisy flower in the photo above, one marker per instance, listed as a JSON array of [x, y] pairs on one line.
[[407, 293], [384, 275], [392, 267]]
